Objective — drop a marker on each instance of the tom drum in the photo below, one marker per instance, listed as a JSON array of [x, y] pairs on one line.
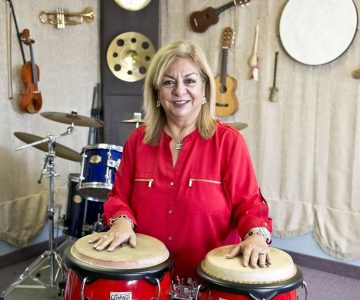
[[98, 168]]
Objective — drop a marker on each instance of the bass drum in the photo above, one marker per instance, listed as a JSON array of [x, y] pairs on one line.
[[224, 278], [136, 273], [315, 32]]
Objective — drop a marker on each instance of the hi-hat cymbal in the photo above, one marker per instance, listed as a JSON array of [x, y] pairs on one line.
[[238, 125], [60, 150], [134, 120], [129, 55], [73, 117]]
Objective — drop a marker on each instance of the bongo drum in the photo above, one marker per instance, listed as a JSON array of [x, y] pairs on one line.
[[126, 273], [224, 278], [98, 168]]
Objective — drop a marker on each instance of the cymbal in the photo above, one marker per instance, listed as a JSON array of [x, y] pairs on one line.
[[60, 150], [73, 117], [134, 120], [238, 125], [129, 55]]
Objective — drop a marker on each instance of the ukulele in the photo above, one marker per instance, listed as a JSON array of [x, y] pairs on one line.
[[31, 99], [202, 20], [226, 101]]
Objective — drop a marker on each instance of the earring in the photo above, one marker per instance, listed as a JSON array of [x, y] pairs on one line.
[[158, 103], [203, 100]]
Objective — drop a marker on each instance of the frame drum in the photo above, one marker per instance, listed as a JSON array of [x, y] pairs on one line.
[[315, 32], [224, 278], [136, 273]]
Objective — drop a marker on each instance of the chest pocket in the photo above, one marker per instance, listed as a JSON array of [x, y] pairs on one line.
[[206, 195]]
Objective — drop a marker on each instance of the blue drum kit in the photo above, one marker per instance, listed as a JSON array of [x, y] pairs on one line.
[[87, 190]]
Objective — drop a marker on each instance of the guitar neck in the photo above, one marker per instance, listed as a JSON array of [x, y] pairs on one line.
[[223, 72], [220, 9]]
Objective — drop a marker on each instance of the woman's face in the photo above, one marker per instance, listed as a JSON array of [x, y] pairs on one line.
[[182, 90]]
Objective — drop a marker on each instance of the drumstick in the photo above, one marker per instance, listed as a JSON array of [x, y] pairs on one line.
[[274, 90]]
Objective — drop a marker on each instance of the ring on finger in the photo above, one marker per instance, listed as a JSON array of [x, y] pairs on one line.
[[105, 236], [261, 253]]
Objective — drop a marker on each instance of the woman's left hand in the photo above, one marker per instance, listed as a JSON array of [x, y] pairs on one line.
[[254, 250]]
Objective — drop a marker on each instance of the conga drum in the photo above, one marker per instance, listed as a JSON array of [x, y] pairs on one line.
[[223, 278], [136, 273]]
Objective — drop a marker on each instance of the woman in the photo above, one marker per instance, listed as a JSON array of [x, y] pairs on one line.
[[185, 177]]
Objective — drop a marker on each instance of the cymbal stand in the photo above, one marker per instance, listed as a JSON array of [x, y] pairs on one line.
[[51, 253]]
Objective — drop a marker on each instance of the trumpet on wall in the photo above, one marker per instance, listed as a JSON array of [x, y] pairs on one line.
[[61, 18]]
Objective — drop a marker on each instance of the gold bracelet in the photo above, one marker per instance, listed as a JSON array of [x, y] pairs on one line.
[[113, 220]]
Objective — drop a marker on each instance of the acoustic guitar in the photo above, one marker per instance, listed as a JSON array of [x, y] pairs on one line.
[[226, 101], [202, 20]]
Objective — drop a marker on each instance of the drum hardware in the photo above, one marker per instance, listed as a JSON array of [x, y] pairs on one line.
[[50, 254], [274, 90], [180, 290], [38, 142], [356, 74], [129, 56], [72, 118]]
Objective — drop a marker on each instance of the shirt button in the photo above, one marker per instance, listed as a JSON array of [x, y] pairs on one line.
[[170, 211], [170, 238], [172, 183]]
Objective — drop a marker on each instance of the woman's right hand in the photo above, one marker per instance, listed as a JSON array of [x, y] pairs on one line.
[[120, 232]]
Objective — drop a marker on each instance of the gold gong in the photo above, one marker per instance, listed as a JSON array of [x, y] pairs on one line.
[[132, 4], [129, 55]]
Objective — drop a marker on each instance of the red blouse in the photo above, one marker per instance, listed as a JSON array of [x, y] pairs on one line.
[[209, 199]]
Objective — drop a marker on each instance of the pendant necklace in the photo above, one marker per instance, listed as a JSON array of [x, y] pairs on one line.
[[178, 145]]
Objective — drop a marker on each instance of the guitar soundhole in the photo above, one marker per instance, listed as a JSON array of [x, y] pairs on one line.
[[223, 89]]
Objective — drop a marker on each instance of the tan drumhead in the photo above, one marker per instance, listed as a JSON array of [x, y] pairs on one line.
[[148, 252], [217, 265]]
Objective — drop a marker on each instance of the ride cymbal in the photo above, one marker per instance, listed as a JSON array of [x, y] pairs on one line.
[[134, 120], [60, 150], [129, 55], [72, 118], [238, 125]]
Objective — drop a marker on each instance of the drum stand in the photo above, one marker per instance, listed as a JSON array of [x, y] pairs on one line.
[[50, 254]]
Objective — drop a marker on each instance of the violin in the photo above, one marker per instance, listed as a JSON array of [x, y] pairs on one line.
[[31, 99]]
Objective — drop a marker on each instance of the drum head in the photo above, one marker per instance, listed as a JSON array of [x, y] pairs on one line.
[[231, 276], [217, 265], [316, 32]]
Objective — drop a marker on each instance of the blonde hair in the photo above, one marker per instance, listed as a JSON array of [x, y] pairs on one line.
[[155, 116]]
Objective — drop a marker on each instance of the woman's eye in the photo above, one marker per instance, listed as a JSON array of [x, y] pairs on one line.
[[168, 83], [190, 81]]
